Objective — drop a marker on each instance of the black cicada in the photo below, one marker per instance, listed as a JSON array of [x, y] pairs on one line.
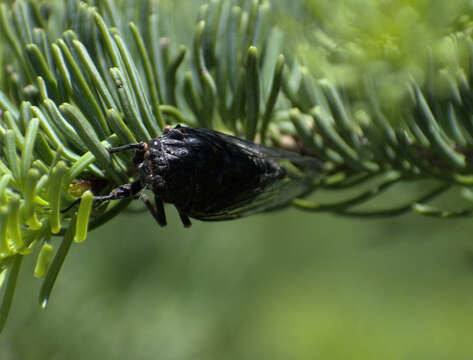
[[210, 176]]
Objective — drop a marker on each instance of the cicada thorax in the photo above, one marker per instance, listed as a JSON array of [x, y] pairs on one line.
[[203, 176]]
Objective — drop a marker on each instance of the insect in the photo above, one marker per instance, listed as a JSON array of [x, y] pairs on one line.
[[208, 175]]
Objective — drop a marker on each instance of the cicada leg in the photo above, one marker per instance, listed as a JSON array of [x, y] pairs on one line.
[[124, 191], [137, 146], [185, 219], [157, 211]]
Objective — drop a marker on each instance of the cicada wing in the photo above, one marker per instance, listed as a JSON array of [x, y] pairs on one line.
[[300, 174], [278, 195], [301, 171], [309, 164]]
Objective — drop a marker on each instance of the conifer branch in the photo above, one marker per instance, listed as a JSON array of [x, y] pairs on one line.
[[79, 79]]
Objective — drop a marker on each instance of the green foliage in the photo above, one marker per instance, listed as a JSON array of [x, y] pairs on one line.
[[81, 77], [389, 40]]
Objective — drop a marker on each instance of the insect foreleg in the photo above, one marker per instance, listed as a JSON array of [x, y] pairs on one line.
[[122, 192], [185, 219], [158, 211], [139, 146]]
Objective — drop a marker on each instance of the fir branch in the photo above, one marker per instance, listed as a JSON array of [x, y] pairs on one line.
[[82, 78]]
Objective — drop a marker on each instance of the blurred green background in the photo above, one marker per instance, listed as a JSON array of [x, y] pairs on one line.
[[287, 285]]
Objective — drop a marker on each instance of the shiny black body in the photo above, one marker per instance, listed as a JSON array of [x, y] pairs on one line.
[[209, 175], [204, 174]]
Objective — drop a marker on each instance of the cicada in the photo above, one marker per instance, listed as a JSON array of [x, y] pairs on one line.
[[208, 175]]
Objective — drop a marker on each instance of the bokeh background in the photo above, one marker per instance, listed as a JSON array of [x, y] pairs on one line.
[[286, 285]]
